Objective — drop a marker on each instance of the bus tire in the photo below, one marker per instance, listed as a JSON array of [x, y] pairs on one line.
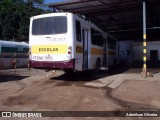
[[98, 64]]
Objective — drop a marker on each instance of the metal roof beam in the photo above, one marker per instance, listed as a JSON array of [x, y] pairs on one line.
[[98, 7], [112, 10], [101, 2], [115, 21], [150, 13], [132, 19], [70, 3]]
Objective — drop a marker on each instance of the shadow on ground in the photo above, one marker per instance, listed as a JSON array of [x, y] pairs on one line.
[[7, 78], [90, 75]]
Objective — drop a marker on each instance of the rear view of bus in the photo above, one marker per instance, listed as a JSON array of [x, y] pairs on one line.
[[51, 41]]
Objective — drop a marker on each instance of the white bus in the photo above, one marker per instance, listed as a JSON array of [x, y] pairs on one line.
[[66, 41]]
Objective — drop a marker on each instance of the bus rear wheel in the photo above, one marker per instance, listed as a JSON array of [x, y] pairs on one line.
[[98, 63]]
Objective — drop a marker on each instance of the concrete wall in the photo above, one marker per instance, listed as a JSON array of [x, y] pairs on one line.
[[125, 52], [138, 53], [131, 53]]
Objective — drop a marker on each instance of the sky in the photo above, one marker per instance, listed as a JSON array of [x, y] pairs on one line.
[[52, 1]]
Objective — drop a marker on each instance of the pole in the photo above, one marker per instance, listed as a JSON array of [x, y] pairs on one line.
[[29, 70], [144, 70]]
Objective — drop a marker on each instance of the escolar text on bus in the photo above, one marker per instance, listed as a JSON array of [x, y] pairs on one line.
[[47, 49]]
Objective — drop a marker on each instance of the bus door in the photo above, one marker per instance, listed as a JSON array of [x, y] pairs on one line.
[[85, 48]]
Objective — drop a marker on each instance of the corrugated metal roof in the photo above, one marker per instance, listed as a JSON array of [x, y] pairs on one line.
[[114, 15]]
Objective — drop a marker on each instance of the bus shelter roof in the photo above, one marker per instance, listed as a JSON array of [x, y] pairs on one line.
[[122, 18]]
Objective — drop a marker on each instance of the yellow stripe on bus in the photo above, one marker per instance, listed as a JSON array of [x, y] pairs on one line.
[[96, 51], [79, 49], [111, 52], [49, 49]]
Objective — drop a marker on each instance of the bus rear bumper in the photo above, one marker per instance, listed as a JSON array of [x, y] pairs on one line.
[[53, 65]]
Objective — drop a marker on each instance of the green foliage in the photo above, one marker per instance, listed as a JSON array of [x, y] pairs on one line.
[[15, 16]]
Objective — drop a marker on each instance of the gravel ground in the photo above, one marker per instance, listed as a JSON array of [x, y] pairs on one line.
[[56, 91]]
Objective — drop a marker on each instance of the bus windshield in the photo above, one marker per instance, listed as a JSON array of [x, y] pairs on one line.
[[49, 25]]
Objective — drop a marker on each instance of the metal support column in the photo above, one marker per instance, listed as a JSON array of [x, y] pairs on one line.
[[144, 70]]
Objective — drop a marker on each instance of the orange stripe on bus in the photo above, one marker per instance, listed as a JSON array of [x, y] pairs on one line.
[[111, 52], [96, 51], [79, 49]]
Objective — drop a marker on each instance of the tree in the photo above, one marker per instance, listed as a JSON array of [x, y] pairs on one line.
[[36, 1], [15, 16]]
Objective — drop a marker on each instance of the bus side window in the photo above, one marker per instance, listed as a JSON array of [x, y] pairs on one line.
[[99, 39], [96, 37], [83, 34], [93, 37], [78, 31]]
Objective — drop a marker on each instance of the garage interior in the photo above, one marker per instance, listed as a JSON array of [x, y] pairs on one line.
[[123, 19]]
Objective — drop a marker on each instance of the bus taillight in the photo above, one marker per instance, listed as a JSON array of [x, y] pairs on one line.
[[69, 50]]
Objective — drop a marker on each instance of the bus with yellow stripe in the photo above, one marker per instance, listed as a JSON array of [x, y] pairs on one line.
[[66, 41]]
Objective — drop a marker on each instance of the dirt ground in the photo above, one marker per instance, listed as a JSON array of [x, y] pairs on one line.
[[56, 91]]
